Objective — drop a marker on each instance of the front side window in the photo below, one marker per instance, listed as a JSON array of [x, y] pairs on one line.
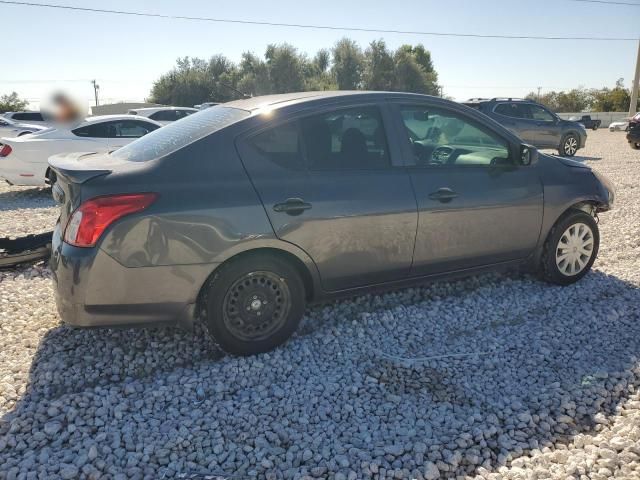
[[442, 138], [345, 139], [540, 114]]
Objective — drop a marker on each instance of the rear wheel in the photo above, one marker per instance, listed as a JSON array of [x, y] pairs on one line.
[[634, 145], [569, 145], [254, 304], [570, 249]]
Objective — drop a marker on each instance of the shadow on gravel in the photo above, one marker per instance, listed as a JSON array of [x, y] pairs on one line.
[[24, 199], [537, 365]]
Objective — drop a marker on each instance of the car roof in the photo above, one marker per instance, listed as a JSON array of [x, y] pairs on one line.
[[159, 109], [104, 118], [286, 99]]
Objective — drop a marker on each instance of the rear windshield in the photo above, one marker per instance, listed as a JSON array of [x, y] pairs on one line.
[[176, 135]]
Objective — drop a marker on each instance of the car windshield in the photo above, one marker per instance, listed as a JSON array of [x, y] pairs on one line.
[[178, 134]]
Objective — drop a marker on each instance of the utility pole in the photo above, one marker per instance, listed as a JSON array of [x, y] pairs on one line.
[[539, 88], [634, 88], [96, 87]]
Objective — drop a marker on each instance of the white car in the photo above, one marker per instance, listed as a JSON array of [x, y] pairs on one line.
[[23, 160], [32, 118], [164, 115], [206, 105], [10, 128], [616, 126]]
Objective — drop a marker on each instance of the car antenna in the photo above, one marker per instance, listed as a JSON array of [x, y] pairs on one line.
[[244, 95]]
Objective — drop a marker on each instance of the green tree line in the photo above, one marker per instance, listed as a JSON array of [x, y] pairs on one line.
[[283, 69], [615, 99]]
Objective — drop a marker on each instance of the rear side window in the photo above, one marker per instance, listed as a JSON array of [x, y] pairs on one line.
[[176, 135], [28, 116], [132, 128], [164, 116], [280, 145], [94, 130], [346, 139], [513, 110]]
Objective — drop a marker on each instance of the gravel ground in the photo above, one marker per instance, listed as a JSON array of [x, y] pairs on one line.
[[490, 377]]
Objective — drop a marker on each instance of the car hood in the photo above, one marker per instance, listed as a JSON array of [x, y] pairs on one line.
[[569, 123], [570, 163]]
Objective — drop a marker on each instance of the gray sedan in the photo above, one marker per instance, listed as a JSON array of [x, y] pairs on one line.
[[242, 213]]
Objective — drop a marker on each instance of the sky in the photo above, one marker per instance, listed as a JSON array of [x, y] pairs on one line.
[[45, 49]]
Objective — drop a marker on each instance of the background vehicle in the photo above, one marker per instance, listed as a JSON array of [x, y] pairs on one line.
[[10, 128], [587, 121], [534, 123], [245, 211], [633, 135], [23, 160], [33, 118], [204, 105], [617, 126], [164, 115]]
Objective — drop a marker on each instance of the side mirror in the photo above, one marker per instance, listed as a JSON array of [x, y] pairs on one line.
[[528, 154]]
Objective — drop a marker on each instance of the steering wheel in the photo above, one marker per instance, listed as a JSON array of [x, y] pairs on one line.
[[441, 155]]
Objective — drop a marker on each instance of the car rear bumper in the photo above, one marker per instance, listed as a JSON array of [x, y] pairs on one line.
[[94, 290]]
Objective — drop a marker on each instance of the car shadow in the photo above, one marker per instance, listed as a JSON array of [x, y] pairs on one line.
[[164, 387]]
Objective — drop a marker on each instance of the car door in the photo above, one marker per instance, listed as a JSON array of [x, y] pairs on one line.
[[476, 205], [548, 131], [516, 118], [330, 184]]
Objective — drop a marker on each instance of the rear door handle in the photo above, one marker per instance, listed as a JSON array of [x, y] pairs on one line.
[[292, 206], [443, 195]]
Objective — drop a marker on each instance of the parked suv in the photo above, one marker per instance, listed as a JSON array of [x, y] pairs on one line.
[[534, 123], [32, 118], [242, 213]]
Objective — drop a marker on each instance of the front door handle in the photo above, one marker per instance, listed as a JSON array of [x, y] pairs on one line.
[[292, 206], [443, 195]]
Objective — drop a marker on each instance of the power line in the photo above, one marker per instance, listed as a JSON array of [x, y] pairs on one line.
[[605, 2], [301, 25]]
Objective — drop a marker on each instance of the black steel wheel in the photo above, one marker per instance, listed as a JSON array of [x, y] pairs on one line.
[[254, 304]]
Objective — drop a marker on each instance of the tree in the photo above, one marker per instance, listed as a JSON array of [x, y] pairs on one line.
[[12, 103], [414, 71], [347, 64], [283, 68], [254, 75], [286, 68], [379, 69]]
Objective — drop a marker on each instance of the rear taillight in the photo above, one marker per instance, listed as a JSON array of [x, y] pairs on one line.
[[89, 221], [5, 150]]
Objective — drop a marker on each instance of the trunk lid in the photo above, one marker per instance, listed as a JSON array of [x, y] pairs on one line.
[[73, 171]]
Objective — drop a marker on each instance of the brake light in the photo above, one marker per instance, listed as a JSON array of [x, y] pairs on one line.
[[89, 221], [5, 150]]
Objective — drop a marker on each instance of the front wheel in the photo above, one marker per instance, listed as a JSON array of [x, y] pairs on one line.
[[254, 304], [634, 145], [569, 145], [570, 249]]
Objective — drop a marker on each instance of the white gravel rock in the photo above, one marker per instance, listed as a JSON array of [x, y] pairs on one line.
[[550, 393]]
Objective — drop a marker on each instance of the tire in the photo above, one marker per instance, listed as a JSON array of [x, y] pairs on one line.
[[244, 290], [595, 127], [611, 129], [569, 145], [579, 232], [634, 145]]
